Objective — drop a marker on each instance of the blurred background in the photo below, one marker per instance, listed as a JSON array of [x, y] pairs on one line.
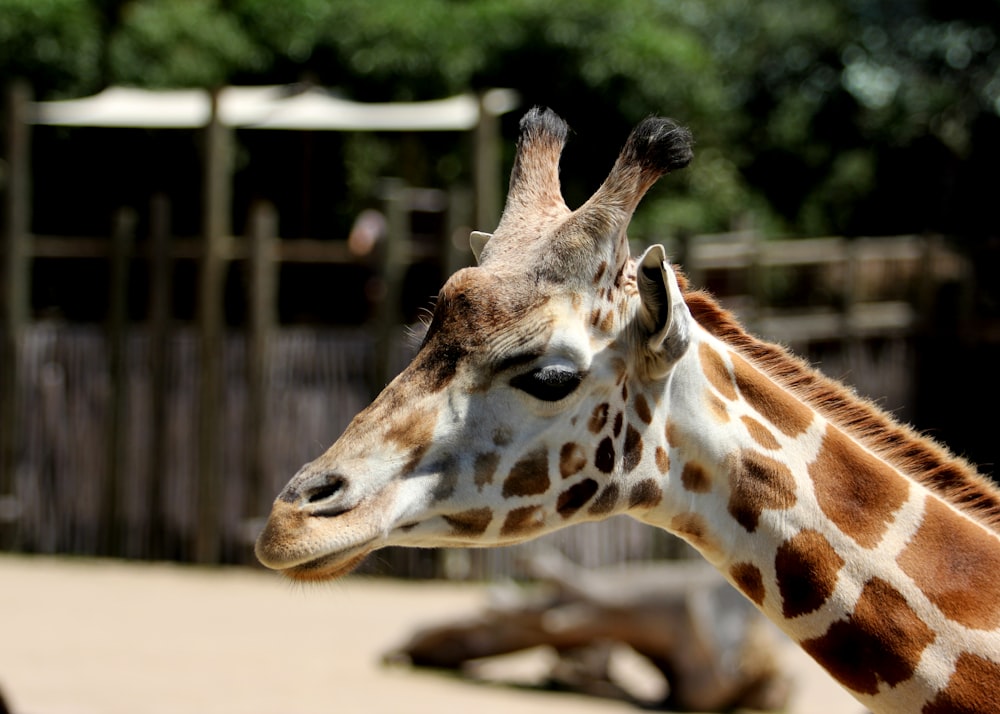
[[195, 301]]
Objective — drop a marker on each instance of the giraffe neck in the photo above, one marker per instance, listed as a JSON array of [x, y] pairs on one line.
[[877, 574]]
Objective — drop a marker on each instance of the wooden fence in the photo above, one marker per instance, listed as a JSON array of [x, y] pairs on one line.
[[854, 307], [132, 391], [64, 500], [160, 439], [110, 421]]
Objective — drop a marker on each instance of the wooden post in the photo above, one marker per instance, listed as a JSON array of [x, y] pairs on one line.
[[122, 239], [263, 285], [16, 301], [211, 282], [851, 342], [456, 253], [394, 259], [160, 297], [486, 165], [757, 278]]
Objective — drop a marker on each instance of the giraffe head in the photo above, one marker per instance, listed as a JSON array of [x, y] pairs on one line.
[[523, 410]]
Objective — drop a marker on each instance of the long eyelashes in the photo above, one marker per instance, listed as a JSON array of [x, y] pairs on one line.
[[550, 383]]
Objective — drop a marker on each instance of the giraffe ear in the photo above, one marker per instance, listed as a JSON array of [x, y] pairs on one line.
[[659, 294], [478, 241]]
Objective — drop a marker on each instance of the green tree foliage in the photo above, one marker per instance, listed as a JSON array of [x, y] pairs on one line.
[[867, 121], [178, 43], [845, 116], [809, 120], [54, 44]]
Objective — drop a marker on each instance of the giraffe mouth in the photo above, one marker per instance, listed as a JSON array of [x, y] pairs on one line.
[[320, 564], [326, 567], [304, 545]]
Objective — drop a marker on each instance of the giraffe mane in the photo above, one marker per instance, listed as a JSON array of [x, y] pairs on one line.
[[917, 456]]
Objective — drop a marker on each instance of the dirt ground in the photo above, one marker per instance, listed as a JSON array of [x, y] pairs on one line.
[[107, 637]]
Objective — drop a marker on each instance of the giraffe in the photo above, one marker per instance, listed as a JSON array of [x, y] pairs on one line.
[[560, 380]]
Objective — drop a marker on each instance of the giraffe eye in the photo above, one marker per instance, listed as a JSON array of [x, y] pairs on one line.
[[550, 383]]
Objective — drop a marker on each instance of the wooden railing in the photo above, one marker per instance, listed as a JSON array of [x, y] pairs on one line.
[[873, 286], [262, 252], [129, 397]]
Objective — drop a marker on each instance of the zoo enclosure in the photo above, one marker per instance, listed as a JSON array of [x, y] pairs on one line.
[[91, 396], [154, 439]]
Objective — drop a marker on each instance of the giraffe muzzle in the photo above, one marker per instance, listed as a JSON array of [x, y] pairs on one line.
[[315, 530], [324, 523]]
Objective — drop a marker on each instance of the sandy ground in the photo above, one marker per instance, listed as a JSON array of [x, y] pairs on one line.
[[106, 637]]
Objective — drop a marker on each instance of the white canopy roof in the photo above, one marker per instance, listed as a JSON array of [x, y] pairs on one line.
[[268, 107]]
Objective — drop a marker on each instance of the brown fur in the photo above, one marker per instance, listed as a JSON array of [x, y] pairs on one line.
[[856, 491], [806, 567], [749, 580], [956, 568], [880, 642], [760, 433], [964, 693], [917, 456]]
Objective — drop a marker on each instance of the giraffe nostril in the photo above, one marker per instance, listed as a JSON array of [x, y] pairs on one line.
[[318, 493], [325, 491]]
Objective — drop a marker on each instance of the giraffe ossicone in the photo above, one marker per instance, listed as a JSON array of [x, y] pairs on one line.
[[562, 380], [477, 241]]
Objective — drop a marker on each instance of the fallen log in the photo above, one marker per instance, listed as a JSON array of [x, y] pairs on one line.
[[712, 648]]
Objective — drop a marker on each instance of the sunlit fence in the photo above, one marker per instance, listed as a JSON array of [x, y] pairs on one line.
[[65, 501], [65, 497], [86, 401]]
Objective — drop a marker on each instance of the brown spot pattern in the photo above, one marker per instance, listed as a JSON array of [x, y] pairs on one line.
[[695, 478], [760, 433], [473, 522], [617, 428], [645, 494], [672, 433], [694, 529], [529, 476], [716, 371], [522, 520], [855, 490], [604, 459], [576, 497], [749, 580], [608, 322], [717, 407], [621, 369], [448, 473], [956, 564], [439, 364], [413, 432], [484, 468], [881, 641], [598, 418], [662, 460], [758, 482], [632, 454], [572, 459], [642, 409], [974, 687], [472, 307], [806, 568], [606, 502], [789, 415]]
